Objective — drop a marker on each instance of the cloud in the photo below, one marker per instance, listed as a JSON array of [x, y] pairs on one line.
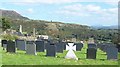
[[71, 13], [93, 8], [42, 1], [30, 10], [93, 13], [87, 10], [59, 2], [74, 10]]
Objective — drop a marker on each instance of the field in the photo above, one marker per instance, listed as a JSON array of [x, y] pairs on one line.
[[20, 58]]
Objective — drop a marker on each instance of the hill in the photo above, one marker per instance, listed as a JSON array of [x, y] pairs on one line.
[[56, 29], [12, 14]]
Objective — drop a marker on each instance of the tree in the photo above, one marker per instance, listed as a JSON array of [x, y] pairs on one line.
[[5, 24], [115, 39]]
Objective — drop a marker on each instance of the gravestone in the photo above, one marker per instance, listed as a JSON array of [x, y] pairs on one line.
[[91, 53], [30, 42], [79, 46], [64, 45], [4, 46], [112, 53], [31, 48], [45, 43], [70, 54], [40, 46], [118, 46], [104, 46], [59, 47], [92, 45], [3, 42], [21, 44], [51, 49], [11, 46]]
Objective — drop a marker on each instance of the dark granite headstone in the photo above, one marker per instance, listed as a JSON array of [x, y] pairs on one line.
[[104, 46], [118, 46], [3, 42], [59, 47], [11, 47], [51, 50], [79, 46], [45, 43], [92, 45], [112, 52], [91, 53], [21, 44], [64, 43], [40, 46]]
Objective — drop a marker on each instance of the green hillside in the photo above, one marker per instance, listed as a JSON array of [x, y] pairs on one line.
[[57, 29]]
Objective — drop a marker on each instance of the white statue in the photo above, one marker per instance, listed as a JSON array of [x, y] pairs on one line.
[[71, 54]]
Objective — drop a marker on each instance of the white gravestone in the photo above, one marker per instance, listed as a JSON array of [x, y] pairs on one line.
[[71, 55]]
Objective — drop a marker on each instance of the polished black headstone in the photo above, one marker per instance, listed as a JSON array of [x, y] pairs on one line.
[[59, 47], [51, 50], [91, 53], [3, 42], [118, 46], [11, 47], [79, 46], [40, 46], [64, 43], [92, 45], [45, 43]]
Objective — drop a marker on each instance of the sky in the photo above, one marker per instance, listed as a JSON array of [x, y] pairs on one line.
[[84, 12]]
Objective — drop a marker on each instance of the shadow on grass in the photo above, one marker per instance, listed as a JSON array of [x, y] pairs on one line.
[[81, 58], [91, 59], [83, 53], [103, 54], [102, 59]]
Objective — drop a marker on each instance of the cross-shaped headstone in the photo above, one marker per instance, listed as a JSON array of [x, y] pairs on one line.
[[71, 54]]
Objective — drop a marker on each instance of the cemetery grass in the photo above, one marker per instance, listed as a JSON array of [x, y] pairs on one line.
[[20, 58]]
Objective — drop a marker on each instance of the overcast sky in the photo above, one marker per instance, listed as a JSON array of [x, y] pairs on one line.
[[86, 12]]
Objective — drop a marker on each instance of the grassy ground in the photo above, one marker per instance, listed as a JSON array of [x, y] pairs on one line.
[[119, 60], [20, 58], [0, 53]]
